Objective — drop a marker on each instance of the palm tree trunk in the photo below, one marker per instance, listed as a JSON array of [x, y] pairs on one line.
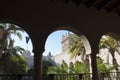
[[3, 42]]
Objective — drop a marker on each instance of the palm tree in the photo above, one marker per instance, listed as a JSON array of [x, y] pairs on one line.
[[111, 44], [58, 68], [7, 48], [64, 67], [71, 68], [7, 30], [104, 68], [77, 48]]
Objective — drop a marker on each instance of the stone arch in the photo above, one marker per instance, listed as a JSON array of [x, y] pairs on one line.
[[110, 53], [78, 33], [116, 37], [12, 21], [26, 35], [22, 26], [18, 25]]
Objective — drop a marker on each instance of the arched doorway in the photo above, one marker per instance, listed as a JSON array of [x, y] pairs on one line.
[[68, 40]]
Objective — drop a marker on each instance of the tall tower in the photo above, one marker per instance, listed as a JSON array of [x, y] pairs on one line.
[[66, 42]]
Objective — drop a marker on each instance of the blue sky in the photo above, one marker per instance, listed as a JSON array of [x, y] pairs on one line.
[[53, 42]]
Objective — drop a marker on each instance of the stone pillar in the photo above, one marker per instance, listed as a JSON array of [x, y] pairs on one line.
[[37, 64], [94, 67], [95, 49]]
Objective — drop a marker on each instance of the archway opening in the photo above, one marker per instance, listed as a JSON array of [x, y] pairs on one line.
[[73, 56], [16, 57], [109, 56]]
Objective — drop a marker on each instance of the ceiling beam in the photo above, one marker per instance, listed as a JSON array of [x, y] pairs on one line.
[[102, 4], [90, 3], [117, 10], [77, 2], [111, 7]]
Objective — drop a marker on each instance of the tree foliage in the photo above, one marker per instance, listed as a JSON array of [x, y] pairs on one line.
[[77, 48], [45, 65], [110, 43], [10, 59], [14, 65]]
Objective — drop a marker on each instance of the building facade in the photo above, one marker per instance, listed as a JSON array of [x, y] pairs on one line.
[[65, 54]]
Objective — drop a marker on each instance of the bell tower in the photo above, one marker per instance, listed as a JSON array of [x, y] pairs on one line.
[[66, 42]]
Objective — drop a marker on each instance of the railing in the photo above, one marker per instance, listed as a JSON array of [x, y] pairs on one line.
[[16, 77], [109, 76], [85, 76]]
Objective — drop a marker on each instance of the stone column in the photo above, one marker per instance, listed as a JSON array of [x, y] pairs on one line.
[[95, 49], [94, 67], [37, 64]]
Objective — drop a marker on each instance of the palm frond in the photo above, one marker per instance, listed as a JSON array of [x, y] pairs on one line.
[[19, 49], [13, 28], [77, 48], [107, 42], [19, 35], [2, 26]]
